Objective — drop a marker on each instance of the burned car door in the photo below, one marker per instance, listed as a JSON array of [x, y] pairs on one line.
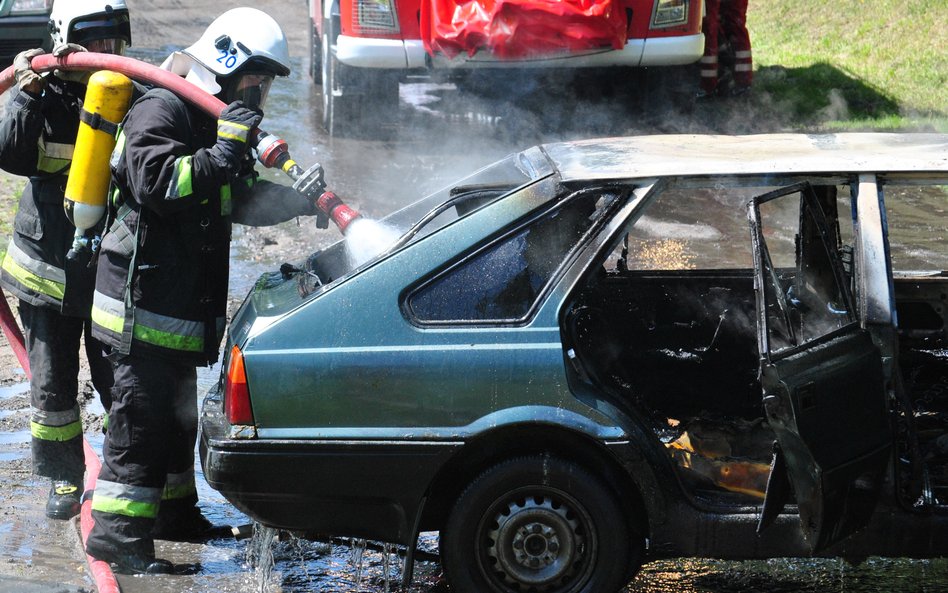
[[822, 376]]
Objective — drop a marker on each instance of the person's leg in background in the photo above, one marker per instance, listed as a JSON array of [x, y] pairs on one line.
[[52, 343], [734, 21], [709, 61]]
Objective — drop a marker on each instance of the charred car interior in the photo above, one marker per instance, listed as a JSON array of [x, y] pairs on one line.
[[667, 322]]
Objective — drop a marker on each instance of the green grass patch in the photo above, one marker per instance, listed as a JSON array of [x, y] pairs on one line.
[[854, 64], [11, 187]]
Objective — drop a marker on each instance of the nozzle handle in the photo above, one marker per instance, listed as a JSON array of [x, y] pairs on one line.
[[311, 183]]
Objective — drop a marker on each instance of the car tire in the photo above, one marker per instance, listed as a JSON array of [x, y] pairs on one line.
[[538, 524], [356, 101]]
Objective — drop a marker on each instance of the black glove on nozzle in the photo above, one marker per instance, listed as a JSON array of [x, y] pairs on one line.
[[234, 126]]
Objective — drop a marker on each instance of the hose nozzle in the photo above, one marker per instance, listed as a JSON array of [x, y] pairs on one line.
[[332, 208]]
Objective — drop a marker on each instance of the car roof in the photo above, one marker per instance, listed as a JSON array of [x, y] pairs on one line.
[[699, 155]]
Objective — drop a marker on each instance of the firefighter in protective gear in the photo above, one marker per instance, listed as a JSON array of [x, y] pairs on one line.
[[37, 138], [726, 22], [160, 298]]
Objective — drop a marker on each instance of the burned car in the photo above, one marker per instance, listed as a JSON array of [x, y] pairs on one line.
[[594, 354]]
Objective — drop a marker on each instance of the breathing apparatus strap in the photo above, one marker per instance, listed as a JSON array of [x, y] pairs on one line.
[[128, 327], [97, 122]]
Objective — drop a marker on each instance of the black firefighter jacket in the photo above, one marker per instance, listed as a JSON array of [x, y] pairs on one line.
[[161, 285], [37, 137]]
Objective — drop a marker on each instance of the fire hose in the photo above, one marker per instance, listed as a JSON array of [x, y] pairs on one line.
[[272, 152]]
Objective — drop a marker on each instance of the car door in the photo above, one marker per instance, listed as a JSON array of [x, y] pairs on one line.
[[824, 389]]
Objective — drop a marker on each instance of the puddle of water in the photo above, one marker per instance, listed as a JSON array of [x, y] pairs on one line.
[[14, 438], [8, 442], [15, 389]]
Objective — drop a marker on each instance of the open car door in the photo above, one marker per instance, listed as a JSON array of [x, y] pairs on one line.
[[823, 383]]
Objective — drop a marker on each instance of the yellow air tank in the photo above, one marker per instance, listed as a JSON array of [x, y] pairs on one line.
[[108, 95]]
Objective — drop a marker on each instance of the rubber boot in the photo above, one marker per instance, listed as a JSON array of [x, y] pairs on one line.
[[129, 562], [63, 501], [188, 525]]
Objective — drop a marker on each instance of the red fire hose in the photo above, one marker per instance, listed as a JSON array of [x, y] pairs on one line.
[[272, 151], [102, 574], [131, 68]]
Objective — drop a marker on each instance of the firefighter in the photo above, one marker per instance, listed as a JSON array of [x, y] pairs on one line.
[[727, 19], [160, 299], [55, 293]]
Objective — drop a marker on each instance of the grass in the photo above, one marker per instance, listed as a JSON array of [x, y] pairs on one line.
[[10, 189], [854, 64]]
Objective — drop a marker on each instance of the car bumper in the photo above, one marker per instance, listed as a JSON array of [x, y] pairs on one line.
[[361, 52], [19, 33], [367, 489]]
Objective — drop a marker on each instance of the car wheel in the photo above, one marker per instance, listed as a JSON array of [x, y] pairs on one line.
[[539, 525], [315, 54], [356, 101]]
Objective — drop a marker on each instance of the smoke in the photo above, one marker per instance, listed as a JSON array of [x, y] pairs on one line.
[[838, 108]]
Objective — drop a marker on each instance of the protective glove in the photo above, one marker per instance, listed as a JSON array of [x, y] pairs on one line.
[[27, 79], [64, 49], [233, 134], [67, 48]]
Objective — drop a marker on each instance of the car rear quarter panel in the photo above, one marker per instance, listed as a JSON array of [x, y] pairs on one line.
[[350, 363]]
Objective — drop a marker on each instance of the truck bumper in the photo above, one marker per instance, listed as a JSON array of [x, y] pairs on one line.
[[397, 54]]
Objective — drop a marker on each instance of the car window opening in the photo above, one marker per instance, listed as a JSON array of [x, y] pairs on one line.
[[502, 281]]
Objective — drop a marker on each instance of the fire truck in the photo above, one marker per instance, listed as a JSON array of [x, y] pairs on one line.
[[361, 49]]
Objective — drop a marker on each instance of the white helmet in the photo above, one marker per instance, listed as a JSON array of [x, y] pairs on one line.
[[236, 57], [84, 21], [240, 39]]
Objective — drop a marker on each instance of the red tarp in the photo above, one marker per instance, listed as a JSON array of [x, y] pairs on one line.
[[512, 29]]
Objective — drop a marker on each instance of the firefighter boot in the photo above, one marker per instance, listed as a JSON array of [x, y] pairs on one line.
[[128, 564], [63, 501], [187, 525], [133, 563]]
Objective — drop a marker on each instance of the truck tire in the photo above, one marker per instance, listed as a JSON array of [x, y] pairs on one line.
[[315, 54], [538, 524], [356, 101]]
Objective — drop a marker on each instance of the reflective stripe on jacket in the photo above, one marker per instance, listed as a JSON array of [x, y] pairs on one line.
[[161, 286], [37, 138]]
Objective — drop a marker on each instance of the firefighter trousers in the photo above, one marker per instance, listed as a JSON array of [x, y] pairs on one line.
[[148, 454], [53, 343], [726, 21]]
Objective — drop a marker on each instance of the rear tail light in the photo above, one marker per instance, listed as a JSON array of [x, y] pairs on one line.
[[236, 393], [375, 17], [669, 13]]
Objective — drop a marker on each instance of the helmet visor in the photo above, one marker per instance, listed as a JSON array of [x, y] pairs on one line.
[[252, 89], [107, 46], [112, 25]]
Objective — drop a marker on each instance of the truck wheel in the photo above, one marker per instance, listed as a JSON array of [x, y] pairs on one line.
[[356, 101], [541, 525], [315, 54]]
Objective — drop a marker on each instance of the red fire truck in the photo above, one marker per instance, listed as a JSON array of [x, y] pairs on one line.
[[361, 49]]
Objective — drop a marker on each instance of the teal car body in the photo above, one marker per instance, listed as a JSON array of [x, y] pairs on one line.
[[578, 359]]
